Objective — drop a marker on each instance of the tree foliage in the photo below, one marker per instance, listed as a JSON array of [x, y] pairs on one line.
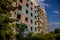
[[21, 28], [41, 37], [57, 30], [5, 24]]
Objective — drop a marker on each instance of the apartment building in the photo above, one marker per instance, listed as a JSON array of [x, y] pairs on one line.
[[40, 20], [25, 12], [30, 14]]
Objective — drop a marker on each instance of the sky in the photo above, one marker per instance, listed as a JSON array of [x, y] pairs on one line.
[[52, 8]]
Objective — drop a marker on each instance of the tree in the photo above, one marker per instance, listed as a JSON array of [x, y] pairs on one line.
[[57, 30], [49, 37], [41, 37], [5, 21], [58, 37], [21, 28]]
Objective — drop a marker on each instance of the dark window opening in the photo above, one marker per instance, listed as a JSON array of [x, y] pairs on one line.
[[31, 8], [35, 17], [31, 21], [31, 28], [27, 0], [35, 29], [35, 22], [38, 30], [26, 19], [20, 7], [31, 3], [31, 14], [26, 11], [20, 0], [27, 5], [18, 16], [35, 11]]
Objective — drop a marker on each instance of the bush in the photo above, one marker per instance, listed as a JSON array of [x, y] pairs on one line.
[[41, 37]]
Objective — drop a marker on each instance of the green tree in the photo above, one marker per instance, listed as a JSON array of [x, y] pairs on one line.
[[57, 30], [30, 36], [58, 36], [5, 20], [49, 37], [38, 37], [41, 37], [21, 28]]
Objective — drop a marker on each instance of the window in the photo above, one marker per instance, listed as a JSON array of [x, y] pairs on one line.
[[27, 5], [35, 29], [38, 24], [38, 30], [20, 7], [27, 0], [35, 11], [31, 8], [18, 16], [31, 21], [26, 19], [20, 0], [31, 3], [31, 28], [35, 17], [35, 22], [26, 11], [31, 14]]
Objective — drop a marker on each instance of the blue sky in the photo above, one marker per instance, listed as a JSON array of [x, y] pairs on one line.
[[52, 8]]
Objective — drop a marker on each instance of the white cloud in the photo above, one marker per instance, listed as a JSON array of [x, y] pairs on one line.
[[54, 23], [41, 3], [56, 12], [40, 0], [44, 4]]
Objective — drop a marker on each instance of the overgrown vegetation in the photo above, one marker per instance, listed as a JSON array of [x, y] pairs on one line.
[[6, 25], [39, 36], [21, 28]]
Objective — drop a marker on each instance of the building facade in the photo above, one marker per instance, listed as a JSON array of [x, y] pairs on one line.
[[30, 14], [40, 20]]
